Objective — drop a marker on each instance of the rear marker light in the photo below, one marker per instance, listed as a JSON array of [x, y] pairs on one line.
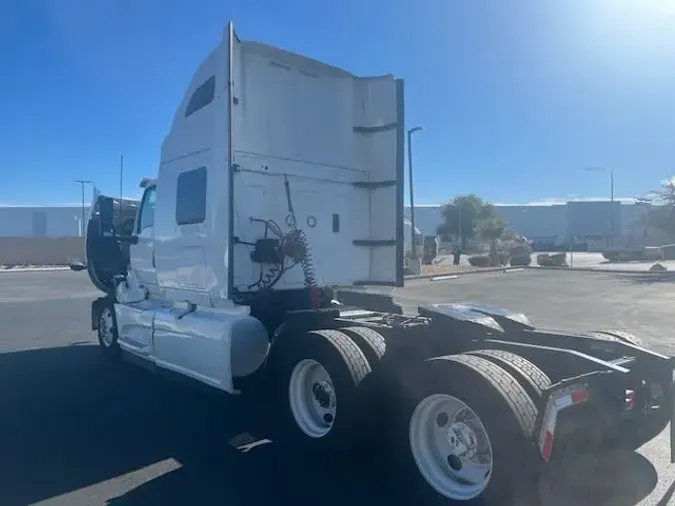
[[630, 400], [579, 396]]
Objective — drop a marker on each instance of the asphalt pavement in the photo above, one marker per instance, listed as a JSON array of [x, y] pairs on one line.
[[75, 432]]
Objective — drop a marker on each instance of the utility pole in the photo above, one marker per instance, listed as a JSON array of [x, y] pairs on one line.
[[82, 182], [610, 241], [459, 214], [410, 180], [121, 173], [611, 206]]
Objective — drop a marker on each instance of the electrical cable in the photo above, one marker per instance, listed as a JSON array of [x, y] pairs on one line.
[[295, 246]]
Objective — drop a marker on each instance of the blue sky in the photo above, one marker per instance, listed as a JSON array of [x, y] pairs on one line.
[[516, 97]]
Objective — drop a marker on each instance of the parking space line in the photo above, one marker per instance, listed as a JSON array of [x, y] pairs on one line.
[[121, 483]]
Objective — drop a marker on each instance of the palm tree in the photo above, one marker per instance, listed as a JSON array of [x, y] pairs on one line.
[[491, 229]]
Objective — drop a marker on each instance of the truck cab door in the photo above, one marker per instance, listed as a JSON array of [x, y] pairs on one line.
[[142, 252]]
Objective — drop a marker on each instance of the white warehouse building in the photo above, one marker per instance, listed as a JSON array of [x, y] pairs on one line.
[[41, 221], [585, 220]]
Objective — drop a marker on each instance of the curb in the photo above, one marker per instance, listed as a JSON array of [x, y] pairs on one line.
[[452, 275], [605, 271], [35, 269]]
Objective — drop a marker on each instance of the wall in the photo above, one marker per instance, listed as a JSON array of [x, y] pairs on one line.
[[427, 218], [580, 219], [594, 219], [25, 221], [529, 221], [40, 250], [535, 222]]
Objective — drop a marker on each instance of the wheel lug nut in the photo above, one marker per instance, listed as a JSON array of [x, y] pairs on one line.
[[454, 462]]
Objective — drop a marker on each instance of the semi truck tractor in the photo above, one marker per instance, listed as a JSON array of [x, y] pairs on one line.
[[246, 264]]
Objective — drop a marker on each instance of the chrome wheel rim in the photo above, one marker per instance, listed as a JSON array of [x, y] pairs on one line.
[[312, 398], [451, 447]]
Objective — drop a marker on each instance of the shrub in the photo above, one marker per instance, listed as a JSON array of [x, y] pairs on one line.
[[479, 260], [611, 255], [503, 257], [520, 250], [559, 259], [633, 255], [518, 260], [652, 254], [622, 255], [636, 255], [544, 259]]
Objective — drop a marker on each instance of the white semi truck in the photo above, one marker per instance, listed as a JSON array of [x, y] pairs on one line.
[[280, 187]]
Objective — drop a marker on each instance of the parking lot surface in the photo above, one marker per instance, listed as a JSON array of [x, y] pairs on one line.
[[73, 432]]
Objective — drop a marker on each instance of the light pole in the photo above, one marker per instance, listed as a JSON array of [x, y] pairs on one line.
[[459, 217], [121, 173], [410, 180], [82, 182], [646, 204], [611, 200]]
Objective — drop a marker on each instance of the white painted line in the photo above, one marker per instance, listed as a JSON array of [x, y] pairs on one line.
[[122, 484], [443, 278], [35, 269], [514, 270]]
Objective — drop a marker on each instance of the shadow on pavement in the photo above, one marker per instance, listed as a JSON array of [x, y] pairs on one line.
[[69, 422], [265, 478], [620, 478]]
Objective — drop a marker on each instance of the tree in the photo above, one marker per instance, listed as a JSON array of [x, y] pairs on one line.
[[467, 209], [661, 216], [490, 230]]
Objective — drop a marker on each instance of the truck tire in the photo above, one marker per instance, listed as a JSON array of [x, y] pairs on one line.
[[619, 335], [318, 375], [107, 332], [466, 430], [371, 342], [533, 379]]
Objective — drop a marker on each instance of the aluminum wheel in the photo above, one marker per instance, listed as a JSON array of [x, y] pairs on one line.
[[312, 398], [106, 327], [451, 447]]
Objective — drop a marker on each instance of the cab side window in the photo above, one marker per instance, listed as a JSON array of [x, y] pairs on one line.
[[147, 216], [191, 197]]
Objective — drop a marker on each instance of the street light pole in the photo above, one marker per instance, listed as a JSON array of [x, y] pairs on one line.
[[121, 173], [410, 181], [82, 182], [611, 200], [611, 207]]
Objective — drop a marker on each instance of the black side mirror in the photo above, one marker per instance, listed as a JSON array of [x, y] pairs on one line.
[[106, 215]]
